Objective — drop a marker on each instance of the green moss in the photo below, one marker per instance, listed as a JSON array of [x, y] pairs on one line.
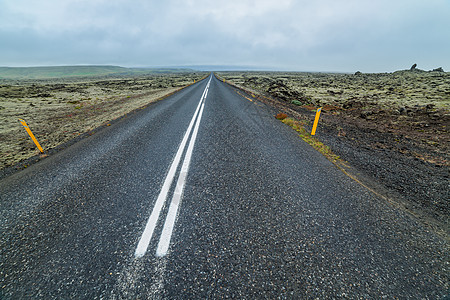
[[307, 137]]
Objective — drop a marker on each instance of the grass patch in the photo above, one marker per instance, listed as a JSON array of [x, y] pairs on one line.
[[307, 137]]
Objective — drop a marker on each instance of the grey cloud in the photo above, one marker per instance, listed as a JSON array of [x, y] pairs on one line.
[[297, 35]]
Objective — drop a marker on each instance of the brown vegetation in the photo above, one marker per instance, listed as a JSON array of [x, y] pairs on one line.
[[59, 110]]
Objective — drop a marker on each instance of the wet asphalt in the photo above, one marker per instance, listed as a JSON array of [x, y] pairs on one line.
[[262, 215]]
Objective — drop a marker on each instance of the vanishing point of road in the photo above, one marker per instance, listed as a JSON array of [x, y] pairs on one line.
[[206, 195]]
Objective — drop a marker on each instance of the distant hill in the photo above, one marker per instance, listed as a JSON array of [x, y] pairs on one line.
[[78, 71]]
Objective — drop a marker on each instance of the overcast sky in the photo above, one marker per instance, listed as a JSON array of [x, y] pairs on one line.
[[302, 35]]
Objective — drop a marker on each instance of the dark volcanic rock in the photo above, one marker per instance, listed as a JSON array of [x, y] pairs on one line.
[[279, 90], [414, 66], [438, 70]]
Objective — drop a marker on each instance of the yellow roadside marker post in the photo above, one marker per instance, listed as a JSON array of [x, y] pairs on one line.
[[316, 121], [31, 135]]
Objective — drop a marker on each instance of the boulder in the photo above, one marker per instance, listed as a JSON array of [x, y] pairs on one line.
[[438, 69], [278, 89], [403, 111]]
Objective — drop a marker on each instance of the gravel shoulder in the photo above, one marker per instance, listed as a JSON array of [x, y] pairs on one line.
[[390, 138]]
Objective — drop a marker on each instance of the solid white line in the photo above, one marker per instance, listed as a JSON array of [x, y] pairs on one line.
[[166, 234], [142, 246]]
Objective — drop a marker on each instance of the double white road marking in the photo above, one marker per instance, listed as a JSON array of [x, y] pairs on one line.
[[166, 234]]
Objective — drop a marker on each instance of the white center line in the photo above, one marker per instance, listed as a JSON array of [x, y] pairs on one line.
[[166, 234], [144, 241]]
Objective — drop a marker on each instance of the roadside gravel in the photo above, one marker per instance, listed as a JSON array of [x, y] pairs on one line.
[[387, 161]]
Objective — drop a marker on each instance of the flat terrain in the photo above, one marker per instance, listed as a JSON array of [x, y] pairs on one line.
[[393, 128], [58, 72], [258, 214], [414, 103], [59, 110]]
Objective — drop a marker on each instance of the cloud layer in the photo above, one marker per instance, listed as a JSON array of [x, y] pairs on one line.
[[323, 35]]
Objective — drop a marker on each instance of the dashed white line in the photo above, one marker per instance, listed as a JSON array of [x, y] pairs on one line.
[[146, 237]]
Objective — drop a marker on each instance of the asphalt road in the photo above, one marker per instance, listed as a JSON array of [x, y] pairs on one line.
[[206, 195]]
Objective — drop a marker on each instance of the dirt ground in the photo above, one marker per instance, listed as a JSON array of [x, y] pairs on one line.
[[58, 111], [392, 128]]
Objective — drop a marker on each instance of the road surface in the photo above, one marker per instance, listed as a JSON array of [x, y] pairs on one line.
[[206, 195]]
